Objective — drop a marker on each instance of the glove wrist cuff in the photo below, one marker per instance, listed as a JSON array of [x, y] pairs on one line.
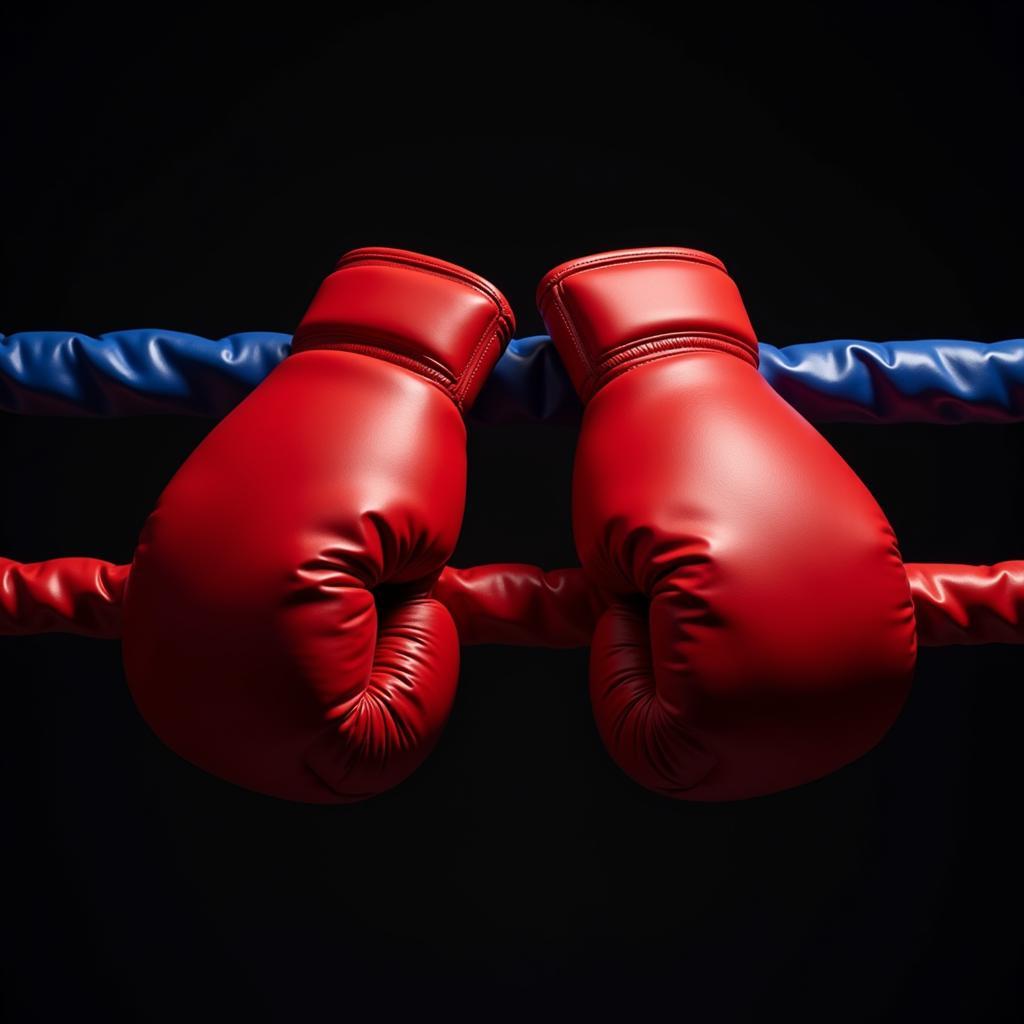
[[429, 316], [614, 311]]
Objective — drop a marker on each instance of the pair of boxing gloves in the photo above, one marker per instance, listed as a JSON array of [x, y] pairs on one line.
[[280, 625]]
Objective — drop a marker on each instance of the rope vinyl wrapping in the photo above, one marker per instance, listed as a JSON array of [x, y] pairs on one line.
[[528, 383], [62, 595], [139, 372], [131, 373], [900, 381], [968, 604], [513, 603]]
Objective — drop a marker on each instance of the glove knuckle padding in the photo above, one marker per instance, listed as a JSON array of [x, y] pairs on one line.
[[630, 712], [380, 733], [778, 631], [277, 625]]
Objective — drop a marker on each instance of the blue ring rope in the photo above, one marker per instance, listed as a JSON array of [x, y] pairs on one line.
[[140, 372]]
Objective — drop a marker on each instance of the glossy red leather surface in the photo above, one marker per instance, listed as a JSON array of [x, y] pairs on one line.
[[277, 626], [611, 318], [763, 630], [398, 305]]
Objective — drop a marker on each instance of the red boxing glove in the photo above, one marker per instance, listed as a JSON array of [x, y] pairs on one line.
[[762, 633], [277, 626]]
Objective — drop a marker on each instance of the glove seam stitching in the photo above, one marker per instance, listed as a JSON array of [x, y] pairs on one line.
[[563, 312], [477, 358], [428, 373], [681, 255], [604, 373], [425, 265]]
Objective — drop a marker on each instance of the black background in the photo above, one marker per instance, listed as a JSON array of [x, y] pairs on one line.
[[859, 170]]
